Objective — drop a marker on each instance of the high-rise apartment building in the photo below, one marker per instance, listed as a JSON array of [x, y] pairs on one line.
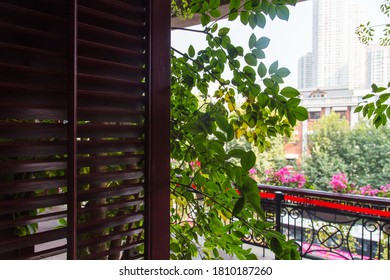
[[305, 71], [378, 65], [338, 57]]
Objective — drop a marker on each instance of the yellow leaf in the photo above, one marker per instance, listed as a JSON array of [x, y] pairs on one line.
[[230, 106]]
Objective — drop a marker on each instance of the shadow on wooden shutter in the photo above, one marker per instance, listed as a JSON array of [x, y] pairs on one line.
[[113, 132], [112, 59], [33, 133]]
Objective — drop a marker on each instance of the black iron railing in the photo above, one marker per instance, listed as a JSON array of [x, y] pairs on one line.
[[328, 225]]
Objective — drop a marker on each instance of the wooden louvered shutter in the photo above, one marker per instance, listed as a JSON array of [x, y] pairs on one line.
[[84, 129]]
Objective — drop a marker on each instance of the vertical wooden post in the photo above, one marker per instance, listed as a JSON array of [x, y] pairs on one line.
[[157, 233]]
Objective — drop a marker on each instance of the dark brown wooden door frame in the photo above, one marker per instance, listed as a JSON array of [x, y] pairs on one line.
[[158, 178]]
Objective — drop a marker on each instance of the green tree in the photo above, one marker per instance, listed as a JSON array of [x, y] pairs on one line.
[[362, 153], [215, 203], [368, 156], [325, 145]]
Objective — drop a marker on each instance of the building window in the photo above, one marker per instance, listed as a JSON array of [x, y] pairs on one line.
[[342, 114], [314, 115]]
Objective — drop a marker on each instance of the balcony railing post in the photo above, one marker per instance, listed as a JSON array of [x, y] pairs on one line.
[[279, 196]]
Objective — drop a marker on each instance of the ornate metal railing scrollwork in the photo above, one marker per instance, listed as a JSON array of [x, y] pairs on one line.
[[328, 226]]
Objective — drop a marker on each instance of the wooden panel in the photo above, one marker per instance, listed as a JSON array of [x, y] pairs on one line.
[[112, 54], [76, 102], [33, 71]]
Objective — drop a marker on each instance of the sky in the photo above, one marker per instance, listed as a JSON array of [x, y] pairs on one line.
[[289, 39]]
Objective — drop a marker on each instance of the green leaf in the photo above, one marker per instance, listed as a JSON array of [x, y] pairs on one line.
[[251, 256], [282, 72], [239, 234], [215, 13], [251, 59], [262, 70], [236, 153], [214, 28], [358, 109], [205, 19], [277, 79], [293, 102], [175, 248], [272, 12], [251, 194], [232, 51], [384, 97], [301, 113], [251, 74], [388, 112], [244, 17], [289, 92], [218, 148], [214, 4], [230, 133], [222, 122], [234, 4], [252, 21], [248, 160], [282, 12], [273, 67], [223, 31], [367, 96], [260, 54], [276, 246], [220, 136], [291, 118], [262, 43], [248, 5], [191, 51], [238, 206], [233, 16], [252, 41], [269, 83], [263, 99], [240, 51], [261, 20]]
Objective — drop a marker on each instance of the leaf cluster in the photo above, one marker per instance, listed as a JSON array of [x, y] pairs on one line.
[[216, 204], [378, 110]]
